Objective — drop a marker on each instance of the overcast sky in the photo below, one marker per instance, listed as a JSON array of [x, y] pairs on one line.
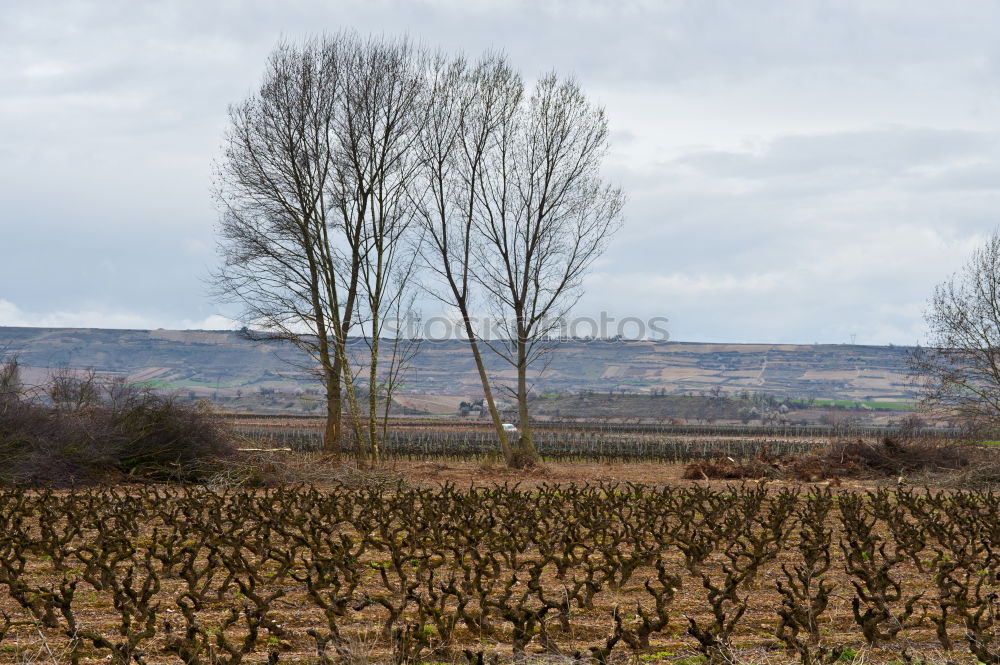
[[797, 171]]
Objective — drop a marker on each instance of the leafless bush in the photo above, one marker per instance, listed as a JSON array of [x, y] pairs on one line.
[[70, 390], [263, 467], [89, 432], [983, 474], [374, 478]]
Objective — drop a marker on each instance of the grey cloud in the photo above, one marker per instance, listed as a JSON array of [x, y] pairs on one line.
[[875, 162], [827, 236], [885, 152]]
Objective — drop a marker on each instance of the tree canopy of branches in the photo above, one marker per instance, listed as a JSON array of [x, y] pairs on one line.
[[959, 371], [356, 162], [515, 212], [312, 186]]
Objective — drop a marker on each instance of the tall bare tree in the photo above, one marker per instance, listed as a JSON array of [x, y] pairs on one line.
[[278, 259], [345, 146], [467, 105], [316, 166], [959, 371], [383, 110], [517, 210], [548, 215]]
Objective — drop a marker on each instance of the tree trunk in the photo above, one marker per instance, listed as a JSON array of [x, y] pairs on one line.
[[373, 445], [332, 435], [526, 453], [505, 447]]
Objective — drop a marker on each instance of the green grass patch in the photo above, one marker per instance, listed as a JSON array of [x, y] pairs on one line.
[[163, 384], [872, 404]]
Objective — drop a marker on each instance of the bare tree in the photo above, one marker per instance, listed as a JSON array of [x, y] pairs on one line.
[[515, 211], [348, 143], [312, 187], [382, 111], [959, 371], [468, 105], [546, 215], [278, 260]]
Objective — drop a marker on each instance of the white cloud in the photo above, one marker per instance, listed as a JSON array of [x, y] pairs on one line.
[[12, 315]]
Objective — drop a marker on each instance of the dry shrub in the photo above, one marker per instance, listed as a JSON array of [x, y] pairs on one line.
[[352, 477], [888, 457], [853, 459], [131, 433], [157, 437], [250, 469], [809, 469], [726, 468]]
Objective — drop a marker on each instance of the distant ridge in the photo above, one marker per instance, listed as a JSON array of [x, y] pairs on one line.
[[207, 361]]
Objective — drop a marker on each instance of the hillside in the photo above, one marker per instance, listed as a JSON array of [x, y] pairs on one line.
[[224, 364]]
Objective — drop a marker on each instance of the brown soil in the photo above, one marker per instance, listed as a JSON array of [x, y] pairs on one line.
[[756, 643], [314, 468], [479, 474]]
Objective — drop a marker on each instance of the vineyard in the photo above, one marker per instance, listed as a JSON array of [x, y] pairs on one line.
[[268, 421], [568, 442], [601, 574], [556, 446]]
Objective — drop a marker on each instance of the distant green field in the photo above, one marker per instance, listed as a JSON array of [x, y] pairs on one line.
[[895, 406], [188, 383]]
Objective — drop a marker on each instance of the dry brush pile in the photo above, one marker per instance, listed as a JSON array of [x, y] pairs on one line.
[[583, 573], [857, 458], [80, 428]]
